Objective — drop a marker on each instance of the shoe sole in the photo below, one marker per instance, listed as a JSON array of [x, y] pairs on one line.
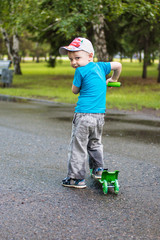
[[73, 186], [96, 177]]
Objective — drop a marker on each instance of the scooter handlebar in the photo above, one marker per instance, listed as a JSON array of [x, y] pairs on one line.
[[114, 84]]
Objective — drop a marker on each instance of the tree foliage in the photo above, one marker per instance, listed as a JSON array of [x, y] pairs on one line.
[[140, 20], [129, 25]]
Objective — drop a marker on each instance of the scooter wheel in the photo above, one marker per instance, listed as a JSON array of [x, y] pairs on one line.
[[105, 187], [116, 186]]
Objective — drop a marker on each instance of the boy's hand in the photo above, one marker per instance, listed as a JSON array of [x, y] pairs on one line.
[[110, 80]]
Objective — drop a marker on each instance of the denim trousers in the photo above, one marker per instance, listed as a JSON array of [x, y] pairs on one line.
[[85, 141]]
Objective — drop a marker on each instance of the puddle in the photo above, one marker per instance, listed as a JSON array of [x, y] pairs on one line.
[[65, 119], [65, 111], [135, 121], [116, 119], [145, 136]]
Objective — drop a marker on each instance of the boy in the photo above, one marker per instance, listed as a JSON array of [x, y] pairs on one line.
[[90, 82]]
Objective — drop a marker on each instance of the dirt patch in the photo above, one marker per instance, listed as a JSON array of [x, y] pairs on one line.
[[138, 81]]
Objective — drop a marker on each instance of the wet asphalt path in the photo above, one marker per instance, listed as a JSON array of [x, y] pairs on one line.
[[34, 139]]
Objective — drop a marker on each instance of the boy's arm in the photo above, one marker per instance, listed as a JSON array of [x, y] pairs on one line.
[[75, 89], [116, 67]]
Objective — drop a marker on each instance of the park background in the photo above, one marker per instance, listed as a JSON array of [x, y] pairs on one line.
[[121, 30]]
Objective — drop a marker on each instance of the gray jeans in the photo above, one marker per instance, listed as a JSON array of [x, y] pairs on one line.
[[85, 140]]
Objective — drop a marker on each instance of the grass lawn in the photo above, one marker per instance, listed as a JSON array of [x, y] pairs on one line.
[[42, 82]]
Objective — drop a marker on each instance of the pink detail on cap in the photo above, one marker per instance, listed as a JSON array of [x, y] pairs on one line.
[[76, 42]]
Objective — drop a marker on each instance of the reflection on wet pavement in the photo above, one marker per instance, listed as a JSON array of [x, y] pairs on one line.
[[146, 136], [129, 128]]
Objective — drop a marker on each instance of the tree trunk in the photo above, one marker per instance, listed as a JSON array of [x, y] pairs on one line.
[[7, 43], [144, 74], [99, 40], [12, 50], [37, 58], [140, 57], [37, 52], [121, 56], [158, 79], [145, 60], [16, 57]]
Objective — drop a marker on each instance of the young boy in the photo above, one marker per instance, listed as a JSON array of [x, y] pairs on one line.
[[90, 82]]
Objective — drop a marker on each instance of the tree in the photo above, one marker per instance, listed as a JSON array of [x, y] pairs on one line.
[[29, 47], [68, 19], [100, 39], [158, 79], [142, 27], [2, 48], [127, 26], [89, 16], [43, 28], [9, 24]]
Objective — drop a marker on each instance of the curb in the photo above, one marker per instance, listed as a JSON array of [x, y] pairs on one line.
[[9, 98]]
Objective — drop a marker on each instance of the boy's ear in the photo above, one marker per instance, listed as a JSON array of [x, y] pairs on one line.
[[90, 55]]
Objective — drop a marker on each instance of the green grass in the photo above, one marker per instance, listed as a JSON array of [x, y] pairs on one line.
[[42, 82]]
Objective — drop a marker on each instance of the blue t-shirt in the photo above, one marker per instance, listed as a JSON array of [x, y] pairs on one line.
[[91, 79]]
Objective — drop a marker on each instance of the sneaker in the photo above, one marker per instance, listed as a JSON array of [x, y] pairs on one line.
[[75, 183], [97, 173]]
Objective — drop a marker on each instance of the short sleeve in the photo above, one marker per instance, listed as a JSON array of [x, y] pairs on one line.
[[106, 67], [77, 81]]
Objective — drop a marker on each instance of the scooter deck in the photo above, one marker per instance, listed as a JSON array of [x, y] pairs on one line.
[[109, 180]]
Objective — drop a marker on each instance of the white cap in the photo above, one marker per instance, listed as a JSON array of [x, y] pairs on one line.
[[78, 44]]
